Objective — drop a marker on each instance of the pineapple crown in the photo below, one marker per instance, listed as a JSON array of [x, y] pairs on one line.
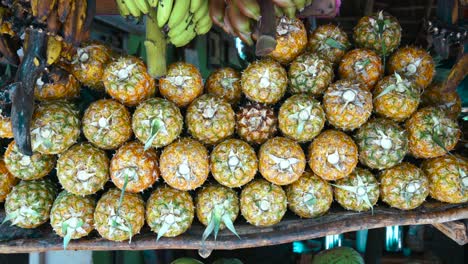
[[72, 225], [82, 56], [360, 188], [234, 160], [178, 80], [42, 136], [169, 217], [219, 214], [23, 213], [336, 160], [313, 68], [303, 116], [286, 26], [360, 65], [411, 189], [116, 222], [349, 94], [157, 126], [283, 164], [412, 68], [401, 85], [227, 82], [438, 129], [184, 170], [124, 71], [331, 41]]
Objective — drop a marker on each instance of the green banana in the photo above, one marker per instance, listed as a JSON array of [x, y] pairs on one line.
[[182, 26], [300, 4], [122, 8], [201, 12], [249, 8], [132, 8], [164, 11], [308, 2], [290, 11], [196, 4], [204, 20], [142, 5], [184, 38], [180, 9], [153, 3], [203, 28]]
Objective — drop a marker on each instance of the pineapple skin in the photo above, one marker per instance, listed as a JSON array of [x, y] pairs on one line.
[[225, 83], [349, 200], [420, 126], [75, 164], [264, 81], [307, 184], [210, 196], [63, 86], [68, 205], [173, 156], [393, 182], [37, 195], [220, 163], [7, 181], [164, 110], [157, 210], [181, 94], [132, 212], [259, 193], [27, 167], [327, 143], [445, 179], [255, 123], [6, 130], [317, 42], [89, 72], [133, 155], [449, 101], [283, 148], [351, 67], [116, 128], [291, 40]]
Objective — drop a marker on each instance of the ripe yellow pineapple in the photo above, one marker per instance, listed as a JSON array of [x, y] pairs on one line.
[[128, 81], [404, 186], [233, 163], [448, 180], [134, 169], [333, 155], [310, 196], [363, 66], [414, 63], [6, 130], [347, 104], [281, 161], [182, 84], [301, 118], [449, 101], [118, 218], [55, 127], [184, 164], [210, 119], [106, 124], [291, 39], [330, 42], [225, 83], [310, 74], [27, 167], [264, 81], [7, 181], [255, 123], [263, 203], [169, 212], [157, 122], [89, 64], [58, 84], [431, 133], [396, 98], [83, 169]]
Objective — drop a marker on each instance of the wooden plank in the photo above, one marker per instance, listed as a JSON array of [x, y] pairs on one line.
[[456, 230], [291, 229]]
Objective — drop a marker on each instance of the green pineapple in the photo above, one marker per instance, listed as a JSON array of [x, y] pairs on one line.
[[310, 74]]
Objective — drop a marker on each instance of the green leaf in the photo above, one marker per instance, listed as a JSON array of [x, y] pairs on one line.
[[351, 189], [156, 125], [163, 230], [387, 90], [122, 193], [9, 217], [209, 229], [335, 44], [64, 227], [217, 219], [228, 223], [364, 63], [311, 201], [67, 237]]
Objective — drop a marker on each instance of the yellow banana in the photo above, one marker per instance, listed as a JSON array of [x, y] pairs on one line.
[[202, 11], [164, 11], [180, 9], [204, 20], [182, 26], [54, 49], [203, 28], [184, 38], [195, 4], [142, 5], [34, 7], [132, 8], [122, 8]]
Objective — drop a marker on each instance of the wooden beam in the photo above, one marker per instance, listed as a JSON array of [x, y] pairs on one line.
[[106, 7], [455, 230]]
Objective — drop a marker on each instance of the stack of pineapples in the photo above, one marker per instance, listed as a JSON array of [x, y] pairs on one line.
[[312, 136]]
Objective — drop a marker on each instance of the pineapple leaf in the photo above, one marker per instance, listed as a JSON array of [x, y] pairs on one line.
[[311, 201], [64, 227], [351, 189], [163, 230], [335, 44], [209, 229], [9, 217], [66, 239], [387, 90], [217, 220], [439, 142], [156, 125], [122, 194], [228, 223]]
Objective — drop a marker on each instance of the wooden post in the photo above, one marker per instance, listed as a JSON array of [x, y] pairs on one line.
[[455, 230]]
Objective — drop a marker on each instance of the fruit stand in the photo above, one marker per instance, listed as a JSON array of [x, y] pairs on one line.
[[322, 133]]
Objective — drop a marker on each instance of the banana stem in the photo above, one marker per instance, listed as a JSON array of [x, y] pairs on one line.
[[155, 44], [266, 42]]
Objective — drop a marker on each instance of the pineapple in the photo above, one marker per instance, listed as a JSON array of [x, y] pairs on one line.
[[6, 130], [363, 66], [330, 42], [263, 203], [291, 39], [255, 123], [281, 161], [225, 83], [264, 81], [27, 167], [357, 192], [134, 169], [127, 81], [382, 143], [58, 84], [396, 98], [310, 196], [217, 208], [106, 124], [448, 180], [347, 104], [118, 217], [55, 127], [233, 163], [7, 181], [157, 122], [184, 164], [71, 216], [210, 119], [182, 84], [333, 155], [310, 74], [28, 204], [404, 186], [83, 169], [415, 64], [449, 101], [89, 64], [301, 118], [431, 133], [169, 212], [380, 33]]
